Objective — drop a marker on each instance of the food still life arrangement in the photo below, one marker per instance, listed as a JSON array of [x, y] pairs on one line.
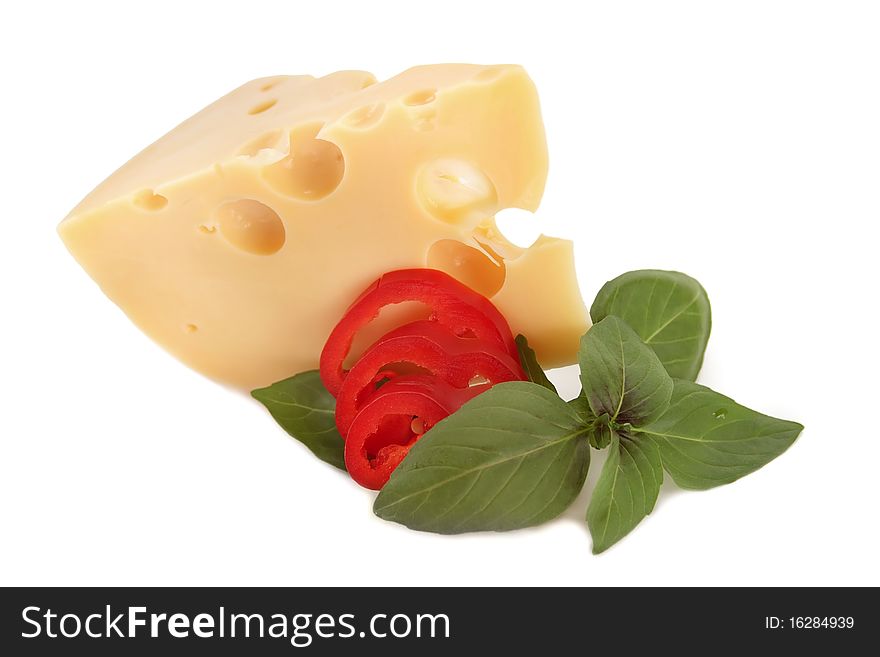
[[329, 245]]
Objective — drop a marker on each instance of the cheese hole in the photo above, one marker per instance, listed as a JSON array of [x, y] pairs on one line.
[[469, 265], [389, 318], [369, 81], [207, 230], [270, 139], [148, 200], [271, 84], [456, 191], [312, 171], [251, 226], [518, 226], [489, 74], [259, 108], [190, 328], [425, 121], [366, 116], [422, 97]]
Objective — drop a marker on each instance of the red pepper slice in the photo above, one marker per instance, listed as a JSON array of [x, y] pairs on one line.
[[451, 304], [430, 348], [402, 410]]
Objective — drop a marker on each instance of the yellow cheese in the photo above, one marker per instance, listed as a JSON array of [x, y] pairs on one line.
[[238, 239]]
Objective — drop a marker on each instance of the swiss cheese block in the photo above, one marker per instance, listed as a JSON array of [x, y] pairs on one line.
[[238, 240]]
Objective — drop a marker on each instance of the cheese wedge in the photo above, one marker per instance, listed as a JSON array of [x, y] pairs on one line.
[[238, 239]]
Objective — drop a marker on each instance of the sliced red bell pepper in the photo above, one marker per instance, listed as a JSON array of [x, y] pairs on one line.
[[451, 303], [401, 411], [428, 348]]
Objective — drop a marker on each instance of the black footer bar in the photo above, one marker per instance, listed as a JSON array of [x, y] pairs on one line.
[[332, 621]]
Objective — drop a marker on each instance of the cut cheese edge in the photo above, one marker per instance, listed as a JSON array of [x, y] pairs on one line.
[[238, 240]]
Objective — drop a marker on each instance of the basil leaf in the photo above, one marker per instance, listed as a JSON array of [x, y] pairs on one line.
[[621, 376], [626, 491], [668, 310], [707, 439], [305, 410], [513, 457], [530, 363]]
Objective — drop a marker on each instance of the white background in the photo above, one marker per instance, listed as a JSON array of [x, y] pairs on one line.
[[736, 141]]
